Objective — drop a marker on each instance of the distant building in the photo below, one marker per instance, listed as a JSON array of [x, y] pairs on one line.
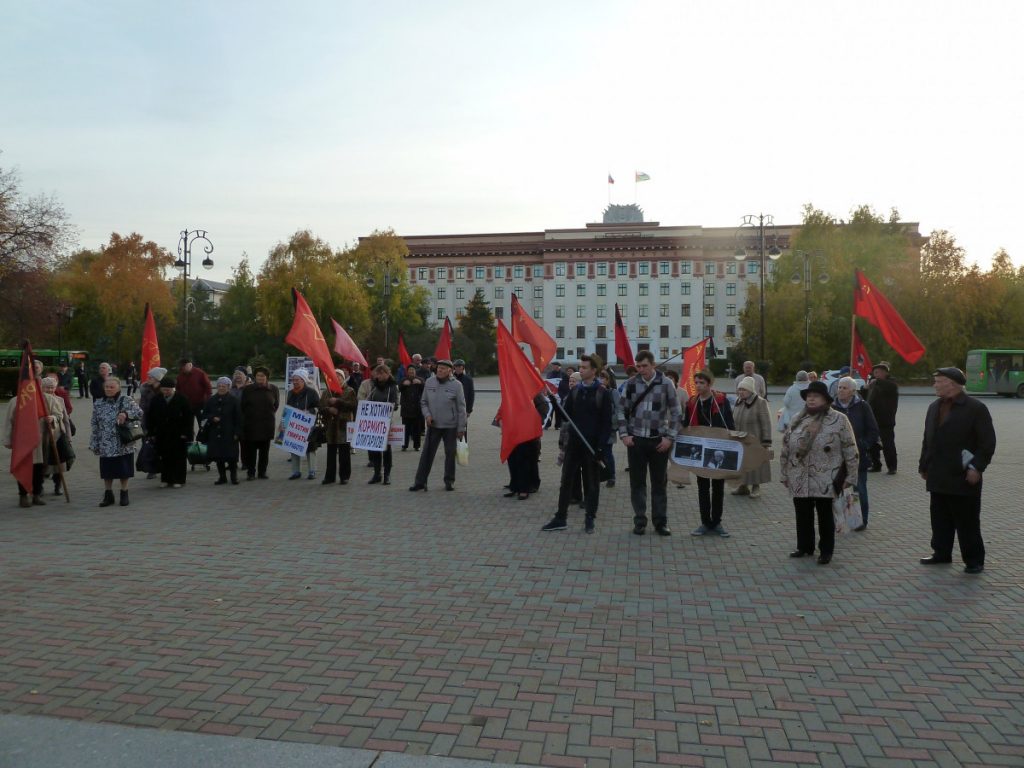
[[214, 288]]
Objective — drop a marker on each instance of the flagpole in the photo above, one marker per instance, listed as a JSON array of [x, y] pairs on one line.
[[853, 333], [579, 434]]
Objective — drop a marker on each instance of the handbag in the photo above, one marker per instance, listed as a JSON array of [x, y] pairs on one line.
[[148, 461], [846, 511], [130, 431], [196, 454]]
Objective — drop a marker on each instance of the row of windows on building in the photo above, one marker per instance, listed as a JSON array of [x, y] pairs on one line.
[[566, 353], [582, 290], [579, 269], [644, 331], [601, 312]]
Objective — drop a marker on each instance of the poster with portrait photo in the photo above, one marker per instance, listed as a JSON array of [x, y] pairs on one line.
[[708, 453], [688, 452]]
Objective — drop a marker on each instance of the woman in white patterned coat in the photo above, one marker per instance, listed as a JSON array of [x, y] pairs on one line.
[[819, 458], [117, 460]]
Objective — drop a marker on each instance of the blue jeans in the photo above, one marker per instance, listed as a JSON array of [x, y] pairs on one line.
[[862, 491]]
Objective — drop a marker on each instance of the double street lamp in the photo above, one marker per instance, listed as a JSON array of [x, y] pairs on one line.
[[809, 258], [389, 283], [760, 222], [184, 263], [64, 314]]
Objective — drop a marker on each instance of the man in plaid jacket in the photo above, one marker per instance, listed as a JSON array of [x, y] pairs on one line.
[[648, 417]]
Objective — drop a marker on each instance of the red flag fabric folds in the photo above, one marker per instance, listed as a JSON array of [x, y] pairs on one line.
[[526, 330], [150, 346], [519, 383], [694, 361], [444, 344], [403, 354], [623, 350], [861, 363], [306, 336], [345, 347], [25, 429], [869, 303]]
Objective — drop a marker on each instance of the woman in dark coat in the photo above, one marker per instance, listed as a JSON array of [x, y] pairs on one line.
[[223, 417], [412, 414], [259, 402], [337, 411], [170, 422]]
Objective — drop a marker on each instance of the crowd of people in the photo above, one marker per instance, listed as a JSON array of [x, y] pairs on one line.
[[831, 438]]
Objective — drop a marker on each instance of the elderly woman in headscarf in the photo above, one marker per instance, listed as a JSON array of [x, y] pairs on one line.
[[751, 415], [61, 432], [819, 458], [117, 459], [171, 423], [303, 397], [337, 411], [865, 428], [149, 390], [223, 417], [34, 495]]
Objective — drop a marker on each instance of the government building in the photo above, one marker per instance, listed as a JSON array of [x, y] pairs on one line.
[[674, 285]]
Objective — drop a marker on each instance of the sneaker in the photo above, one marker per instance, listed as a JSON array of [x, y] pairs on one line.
[[588, 525], [555, 525], [720, 530], [700, 530], [755, 492], [311, 475]]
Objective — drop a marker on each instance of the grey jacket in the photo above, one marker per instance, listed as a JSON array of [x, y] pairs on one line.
[[445, 402]]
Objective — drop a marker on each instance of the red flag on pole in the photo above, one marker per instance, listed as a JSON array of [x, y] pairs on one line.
[[30, 408], [869, 303], [526, 330], [306, 336], [403, 354], [150, 346], [861, 363], [444, 344], [345, 347], [623, 350], [520, 383], [693, 362]]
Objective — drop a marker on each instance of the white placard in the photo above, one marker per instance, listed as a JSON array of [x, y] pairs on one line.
[[293, 435], [396, 435], [707, 452], [373, 423]]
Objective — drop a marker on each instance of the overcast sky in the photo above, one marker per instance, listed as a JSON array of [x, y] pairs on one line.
[[254, 119]]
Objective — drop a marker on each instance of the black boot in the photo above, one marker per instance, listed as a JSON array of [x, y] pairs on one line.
[[387, 477], [124, 498], [234, 475], [108, 499], [222, 479], [375, 479]]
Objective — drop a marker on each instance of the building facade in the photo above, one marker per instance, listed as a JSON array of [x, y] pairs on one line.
[[674, 285]]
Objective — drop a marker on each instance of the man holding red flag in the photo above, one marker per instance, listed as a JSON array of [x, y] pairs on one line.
[[24, 429]]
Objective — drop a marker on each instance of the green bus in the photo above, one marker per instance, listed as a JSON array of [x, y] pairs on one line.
[[10, 362], [996, 371]]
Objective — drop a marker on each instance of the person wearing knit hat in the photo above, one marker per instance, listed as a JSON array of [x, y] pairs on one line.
[[156, 374], [750, 370], [303, 397], [751, 415], [222, 416]]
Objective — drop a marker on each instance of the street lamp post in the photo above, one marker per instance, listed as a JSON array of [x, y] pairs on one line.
[[184, 263], [763, 221], [809, 257], [64, 314], [389, 283]]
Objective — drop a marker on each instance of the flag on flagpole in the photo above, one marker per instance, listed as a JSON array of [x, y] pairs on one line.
[[403, 354], [345, 347], [693, 362], [869, 303], [623, 350], [443, 351], [520, 383], [150, 346], [307, 337], [526, 329], [30, 408], [861, 363], [610, 179], [641, 176]]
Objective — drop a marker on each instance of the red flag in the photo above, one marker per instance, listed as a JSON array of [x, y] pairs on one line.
[[306, 336], [150, 346], [403, 354], [444, 344], [693, 362], [526, 329], [623, 350], [869, 303], [861, 363], [519, 383], [25, 429], [345, 347]]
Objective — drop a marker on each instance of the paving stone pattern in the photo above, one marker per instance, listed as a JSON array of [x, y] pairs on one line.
[[448, 624]]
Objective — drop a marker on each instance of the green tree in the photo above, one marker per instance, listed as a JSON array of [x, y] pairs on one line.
[[476, 339], [242, 335]]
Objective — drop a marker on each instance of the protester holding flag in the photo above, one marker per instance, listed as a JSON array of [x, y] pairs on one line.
[[884, 399], [25, 429], [709, 408], [382, 389], [337, 411], [444, 414], [865, 429], [117, 459], [303, 397], [259, 402]]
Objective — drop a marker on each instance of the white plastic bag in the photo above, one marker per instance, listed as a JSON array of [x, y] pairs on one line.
[[846, 511], [462, 452]]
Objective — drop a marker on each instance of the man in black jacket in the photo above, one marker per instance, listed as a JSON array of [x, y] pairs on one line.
[[459, 372], [884, 399], [589, 406], [959, 441]]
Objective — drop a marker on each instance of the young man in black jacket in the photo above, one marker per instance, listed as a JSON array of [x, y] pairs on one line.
[[589, 406]]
